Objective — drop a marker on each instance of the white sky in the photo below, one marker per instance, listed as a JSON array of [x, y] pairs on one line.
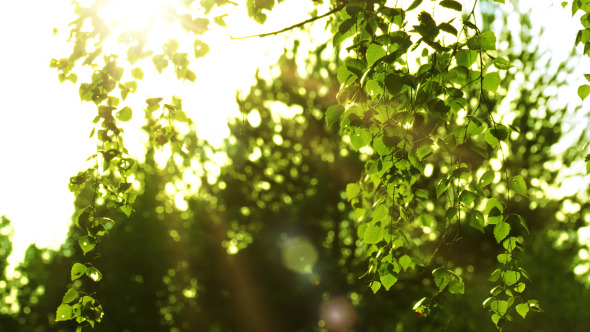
[[44, 126]]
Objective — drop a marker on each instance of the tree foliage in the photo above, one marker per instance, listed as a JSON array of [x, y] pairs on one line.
[[409, 166]]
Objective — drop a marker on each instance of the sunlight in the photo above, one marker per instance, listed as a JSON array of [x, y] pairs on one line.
[[133, 14]]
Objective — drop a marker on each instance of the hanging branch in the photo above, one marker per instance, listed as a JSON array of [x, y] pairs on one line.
[[298, 25]]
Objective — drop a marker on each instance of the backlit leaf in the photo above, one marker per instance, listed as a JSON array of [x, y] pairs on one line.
[[333, 114], [374, 53], [406, 262], [501, 230], [64, 312], [518, 185], [77, 271], [352, 190], [457, 287], [375, 286], [522, 309], [488, 41], [502, 64], [511, 277], [360, 138], [388, 280], [124, 114], [486, 178], [584, 91], [70, 296], [137, 73], [476, 221], [491, 81], [373, 234], [86, 243]]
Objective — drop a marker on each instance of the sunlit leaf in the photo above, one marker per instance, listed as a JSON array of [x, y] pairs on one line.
[[518, 185], [374, 53], [352, 190], [406, 262], [501, 230], [522, 309], [360, 138], [583, 91], [86, 243], [125, 114], [373, 234], [491, 81], [333, 114], [388, 280], [510, 277], [77, 271], [64, 312], [375, 286], [70, 296], [476, 221]]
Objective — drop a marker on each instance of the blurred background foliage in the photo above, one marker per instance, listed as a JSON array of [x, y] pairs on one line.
[[271, 244]]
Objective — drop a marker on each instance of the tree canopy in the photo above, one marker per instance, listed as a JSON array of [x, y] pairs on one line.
[[396, 176]]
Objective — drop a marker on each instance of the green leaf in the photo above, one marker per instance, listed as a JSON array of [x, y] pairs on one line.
[[476, 221], [414, 5], [388, 280], [491, 81], [467, 198], [70, 296], [373, 234], [519, 288], [500, 307], [360, 138], [126, 209], [504, 258], [495, 317], [501, 230], [451, 5], [446, 27], [380, 146], [502, 64], [511, 277], [518, 185], [583, 91], [333, 114], [380, 212], [441, 187], [352, 190], [374, 53], [63, 313], [442, 278], [499, 1], [522, 309], [488, 41], [86, 243], [375, 286], [137, 73], [77, 271], [124, 114], [486, 178], [457, 287], [201, 48], [510, 243], [190, 75], [406, 262], [495, 275], [94, 274], [491, 139]]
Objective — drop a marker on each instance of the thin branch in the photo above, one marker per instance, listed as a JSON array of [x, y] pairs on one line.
[[298, 25]]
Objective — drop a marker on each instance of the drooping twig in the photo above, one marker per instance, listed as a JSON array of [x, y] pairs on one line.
[[300, 24]]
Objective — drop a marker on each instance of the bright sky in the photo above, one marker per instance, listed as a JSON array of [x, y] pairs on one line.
[[43, 125]]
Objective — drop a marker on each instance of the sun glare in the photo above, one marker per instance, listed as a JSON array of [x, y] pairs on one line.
[[134, 14]]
